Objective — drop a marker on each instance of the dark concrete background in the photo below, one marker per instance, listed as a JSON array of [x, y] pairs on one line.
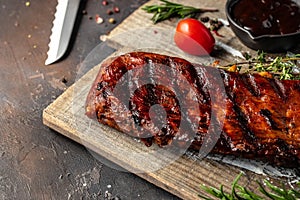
[[36, 162]]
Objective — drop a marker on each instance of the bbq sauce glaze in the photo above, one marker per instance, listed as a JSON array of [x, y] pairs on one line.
[[267, 17]]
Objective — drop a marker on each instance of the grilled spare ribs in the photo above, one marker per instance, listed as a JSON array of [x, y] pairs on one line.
[[247, 115]]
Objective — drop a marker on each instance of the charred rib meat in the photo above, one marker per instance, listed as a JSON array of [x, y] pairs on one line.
[[258, 117]]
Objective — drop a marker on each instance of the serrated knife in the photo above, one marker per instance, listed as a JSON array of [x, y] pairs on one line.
[[63, 24]]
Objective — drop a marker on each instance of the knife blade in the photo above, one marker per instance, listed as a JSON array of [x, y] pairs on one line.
[[63, 24]]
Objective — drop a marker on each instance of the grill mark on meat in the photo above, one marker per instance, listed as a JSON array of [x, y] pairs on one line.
[[189, 73], [278, 88], [173, 70], [244, 124], [227, 83], [230, 82], [151, 95], [250, 84], [251, 101], [200, 83], [150, 68], [268, 116]]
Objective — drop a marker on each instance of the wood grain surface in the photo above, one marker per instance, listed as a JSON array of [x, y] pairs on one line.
[[181, 176]]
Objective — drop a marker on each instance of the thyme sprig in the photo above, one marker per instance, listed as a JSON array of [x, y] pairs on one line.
[[283, 68], [238, 192], [167, 10]]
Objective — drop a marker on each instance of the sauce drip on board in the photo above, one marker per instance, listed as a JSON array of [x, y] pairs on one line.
[[267, 17]]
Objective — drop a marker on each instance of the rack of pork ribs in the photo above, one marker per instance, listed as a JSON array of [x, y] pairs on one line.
[[257, 117]]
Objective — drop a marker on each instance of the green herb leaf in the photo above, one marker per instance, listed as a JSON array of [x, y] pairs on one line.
[[239, 192], [167, 10], [283, 68]]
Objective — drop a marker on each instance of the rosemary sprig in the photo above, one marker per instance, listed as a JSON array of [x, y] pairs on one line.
[[239, 192], [168, 10], [283, 68]]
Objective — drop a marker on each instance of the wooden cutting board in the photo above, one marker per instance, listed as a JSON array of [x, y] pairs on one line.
[[182, 176]]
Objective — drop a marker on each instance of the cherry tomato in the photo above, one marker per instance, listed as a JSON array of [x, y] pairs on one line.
[[193, 37]]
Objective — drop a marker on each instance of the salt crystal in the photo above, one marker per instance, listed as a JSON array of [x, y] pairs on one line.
[[99, 20]]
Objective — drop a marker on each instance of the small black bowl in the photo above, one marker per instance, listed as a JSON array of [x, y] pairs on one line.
[[267, 43]]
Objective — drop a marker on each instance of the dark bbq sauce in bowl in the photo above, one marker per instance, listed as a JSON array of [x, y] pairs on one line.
[[267, 17]]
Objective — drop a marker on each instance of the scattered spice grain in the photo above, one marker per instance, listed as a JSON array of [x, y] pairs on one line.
[[116, 9], [99, 20], [112, 20], [105, 3], [109, 12], [84, 12]]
